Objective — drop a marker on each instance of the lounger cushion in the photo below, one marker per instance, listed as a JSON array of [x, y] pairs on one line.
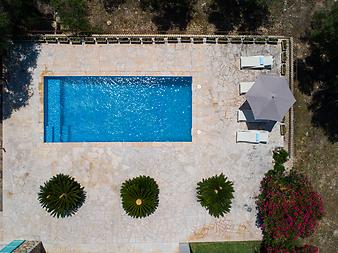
[[252, 136], [248, 116], [264, 137], [256, 62], [261, 60], [244, 87]]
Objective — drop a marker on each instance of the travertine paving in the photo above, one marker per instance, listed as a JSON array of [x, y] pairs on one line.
[[101, 224]]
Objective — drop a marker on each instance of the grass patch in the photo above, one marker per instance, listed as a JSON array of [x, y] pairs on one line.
[[226, 247]]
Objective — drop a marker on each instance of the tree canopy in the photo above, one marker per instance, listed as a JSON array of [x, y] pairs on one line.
[[5, 29], [324, 35], [18, 17], [73, 14]]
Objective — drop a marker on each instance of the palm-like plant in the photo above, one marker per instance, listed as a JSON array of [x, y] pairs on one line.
[[140, 196], [215, 194], [61, 196]]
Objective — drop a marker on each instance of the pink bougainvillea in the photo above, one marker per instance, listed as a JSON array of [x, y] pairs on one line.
[[289, 209]]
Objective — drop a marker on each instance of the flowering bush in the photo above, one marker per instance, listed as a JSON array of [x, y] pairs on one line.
[[307, 249], [289, 209]]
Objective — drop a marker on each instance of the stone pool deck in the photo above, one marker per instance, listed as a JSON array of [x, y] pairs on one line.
[[101, 225]]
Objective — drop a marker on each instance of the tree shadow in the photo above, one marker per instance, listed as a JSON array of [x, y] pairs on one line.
[[111, 5], [324, 99], [170, 13], [318, 72], [312, 69], [18, 64], [324, 107], [305, 79], [246, 16], [317, 78]]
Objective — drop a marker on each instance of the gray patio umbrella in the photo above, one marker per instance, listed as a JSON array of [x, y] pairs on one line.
[[270, 97]]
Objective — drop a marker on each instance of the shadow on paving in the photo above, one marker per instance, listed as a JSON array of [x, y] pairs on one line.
[[18, 64], [246, 16]]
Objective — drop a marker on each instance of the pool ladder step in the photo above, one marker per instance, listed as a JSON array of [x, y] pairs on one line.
[[65, 133], [55, 134]]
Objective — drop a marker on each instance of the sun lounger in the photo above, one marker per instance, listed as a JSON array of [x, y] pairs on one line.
[[256, 62], [252, 136], [247, 116], [244, 87]]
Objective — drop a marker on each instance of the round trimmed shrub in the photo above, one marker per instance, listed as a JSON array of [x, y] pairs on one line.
[[215, 194], [61, 196], [140, 196]]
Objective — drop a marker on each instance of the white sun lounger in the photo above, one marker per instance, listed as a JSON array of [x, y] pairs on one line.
[[247, 116], [252, 136], [244, 87], [256, 62]]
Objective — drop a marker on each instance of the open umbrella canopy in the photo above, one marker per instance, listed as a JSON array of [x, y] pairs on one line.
[[270, 97]]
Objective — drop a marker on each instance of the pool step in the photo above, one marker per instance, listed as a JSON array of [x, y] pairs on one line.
[[65, 133], [52, 126], [52, 134], [55, 134], [49, 134]]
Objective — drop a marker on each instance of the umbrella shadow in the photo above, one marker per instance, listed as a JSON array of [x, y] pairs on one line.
[[245, 106], [19, 64], [267, 125]]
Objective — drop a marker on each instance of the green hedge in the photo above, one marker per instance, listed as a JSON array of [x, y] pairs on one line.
[[226, 247]]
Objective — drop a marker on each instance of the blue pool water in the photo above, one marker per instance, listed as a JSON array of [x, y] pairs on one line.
[[117, 109]]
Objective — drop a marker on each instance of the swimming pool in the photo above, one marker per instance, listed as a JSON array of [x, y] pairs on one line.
[[117, 109]]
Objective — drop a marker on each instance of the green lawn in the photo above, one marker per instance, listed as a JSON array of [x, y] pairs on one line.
[[225, 247]]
